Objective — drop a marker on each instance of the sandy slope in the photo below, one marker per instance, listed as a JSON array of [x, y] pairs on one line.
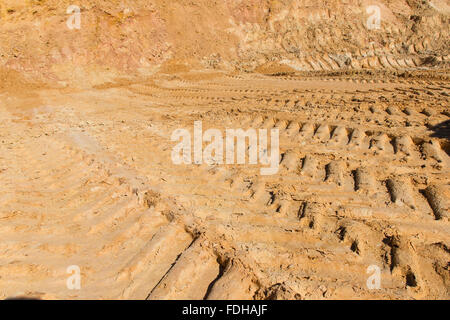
[[137, 37]]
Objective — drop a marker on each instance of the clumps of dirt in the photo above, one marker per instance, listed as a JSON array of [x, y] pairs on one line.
[[278, 291], [151, 198]]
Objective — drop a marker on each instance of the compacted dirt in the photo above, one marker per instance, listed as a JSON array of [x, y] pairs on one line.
[[87, 177]]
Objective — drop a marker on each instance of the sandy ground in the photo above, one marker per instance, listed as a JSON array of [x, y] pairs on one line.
[[88, 180], [359, 207]]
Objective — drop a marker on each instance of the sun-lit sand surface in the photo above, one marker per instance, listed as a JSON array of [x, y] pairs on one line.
[[87, 177]]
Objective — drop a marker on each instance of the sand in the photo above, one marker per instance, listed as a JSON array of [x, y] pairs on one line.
[[86, 170]]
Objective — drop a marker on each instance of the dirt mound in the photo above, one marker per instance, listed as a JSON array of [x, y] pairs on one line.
[[137, 37]]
